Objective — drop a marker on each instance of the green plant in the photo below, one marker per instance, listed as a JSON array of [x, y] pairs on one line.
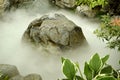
[[113, 7], [92, 3], [3, 77], [96, 69], [110, 31]]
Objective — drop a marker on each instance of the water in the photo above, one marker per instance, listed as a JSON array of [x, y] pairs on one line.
[[29, 60]]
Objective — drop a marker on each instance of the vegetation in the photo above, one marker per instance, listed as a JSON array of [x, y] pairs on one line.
[[96, 69], [3, 77], [113, 7], [92, 3], [110, 31]]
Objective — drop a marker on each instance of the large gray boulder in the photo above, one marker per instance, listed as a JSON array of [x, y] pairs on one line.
[[8, 70], [64, 3], [56, 30]]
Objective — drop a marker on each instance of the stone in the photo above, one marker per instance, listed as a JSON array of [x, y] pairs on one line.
[[64, 3], [9, 70], [86, 11], [4, 5], [54, 29], [19, 3], [18, 77], [33, 77]]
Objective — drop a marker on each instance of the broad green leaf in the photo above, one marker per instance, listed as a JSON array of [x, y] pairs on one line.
[[106, 78], [78, 78], [95, 63], [106, 70], [104, 59], [69, 69], [89, 73]]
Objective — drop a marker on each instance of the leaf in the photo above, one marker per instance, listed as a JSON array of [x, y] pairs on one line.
[[106, 70], [88, 72], [106, 78], [104, 59], [65, 79], [69, 69], [95, 63], [62, 59], [78, 78]]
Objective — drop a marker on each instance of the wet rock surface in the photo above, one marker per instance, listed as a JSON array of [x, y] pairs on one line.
[[54, 29]]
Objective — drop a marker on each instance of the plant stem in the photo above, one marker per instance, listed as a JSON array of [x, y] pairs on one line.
[[80, 72]]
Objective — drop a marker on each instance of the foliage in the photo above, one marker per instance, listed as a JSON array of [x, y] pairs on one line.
[[110, 31], [113, 7], [96, 69], [3, 77], [92, 3]]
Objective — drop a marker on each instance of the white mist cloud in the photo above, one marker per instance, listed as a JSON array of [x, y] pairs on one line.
[[31, 60]]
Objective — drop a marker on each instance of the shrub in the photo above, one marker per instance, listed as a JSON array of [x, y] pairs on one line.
[[92, 3], [3, 77], [110, 31], [96, 69], [113, 7]]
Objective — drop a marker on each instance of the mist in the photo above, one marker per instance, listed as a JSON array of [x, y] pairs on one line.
[[47, 62]]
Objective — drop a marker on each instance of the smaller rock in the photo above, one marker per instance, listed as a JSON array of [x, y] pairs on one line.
[[85, 10], [18, 77], [9, 70], [4, 5], [64, 3], [33, 77]]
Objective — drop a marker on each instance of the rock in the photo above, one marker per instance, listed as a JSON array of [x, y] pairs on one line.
[[85, 10], [64, 3], [18, 77], [8, 70], [55, 29], [33, 77], [4, 5], [10, 4], [19, 3]]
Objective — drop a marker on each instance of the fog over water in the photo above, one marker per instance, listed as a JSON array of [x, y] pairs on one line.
[[48, 65]]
